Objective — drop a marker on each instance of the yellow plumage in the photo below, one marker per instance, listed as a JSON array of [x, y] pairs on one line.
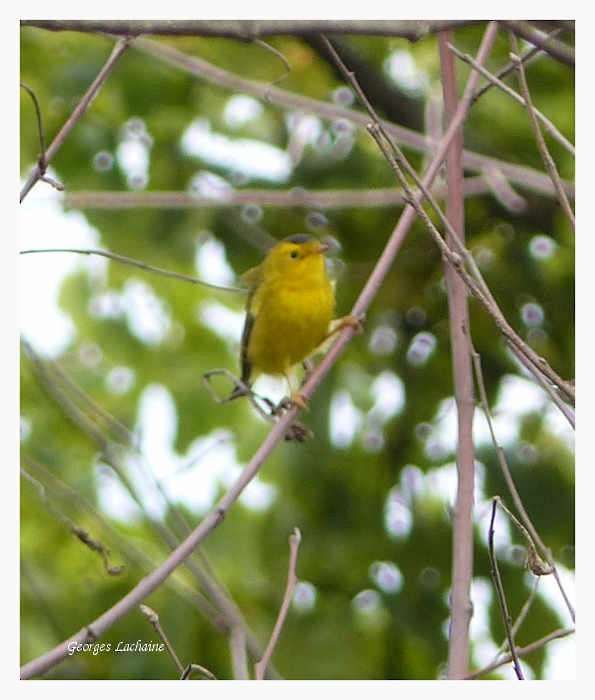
[[289, 309]]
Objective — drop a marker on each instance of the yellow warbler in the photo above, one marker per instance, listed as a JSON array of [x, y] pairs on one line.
[[289, 311]]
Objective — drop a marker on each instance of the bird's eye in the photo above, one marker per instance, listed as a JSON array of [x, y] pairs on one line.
[[294, 254]]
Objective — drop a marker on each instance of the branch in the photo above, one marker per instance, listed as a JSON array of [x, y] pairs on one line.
[[545, 154], [500, 595], [522, 651], [554, 47], [523, 176], [494, 80], [80, 109], [294, 543], [249, 30], [462, 515], [295, 197], [136, 263], [533, 537], [526, 58], [153, 618]]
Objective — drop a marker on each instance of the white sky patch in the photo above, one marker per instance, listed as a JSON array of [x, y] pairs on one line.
[[389, 397], [398, 519], [227, 324], [241, 109], [43, 224], [387, 576], [211, 263], [193, 479], [345, 419], [113, 498], [253, 158], [147, 316], [484, 648], [516, 398], [401, 69], [133, 158], [208, 184]]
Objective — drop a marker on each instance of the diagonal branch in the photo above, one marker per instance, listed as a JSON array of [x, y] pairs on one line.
[[294, 543], [38, 172], [554, 47], [501, 597], [494, 80], [543, 150]]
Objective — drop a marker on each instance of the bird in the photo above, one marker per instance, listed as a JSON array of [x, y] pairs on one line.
[[289, 312]]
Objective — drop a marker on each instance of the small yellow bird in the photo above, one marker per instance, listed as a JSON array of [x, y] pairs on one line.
[[289, 310]]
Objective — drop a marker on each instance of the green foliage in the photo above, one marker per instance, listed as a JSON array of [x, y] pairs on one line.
[[337, 490]]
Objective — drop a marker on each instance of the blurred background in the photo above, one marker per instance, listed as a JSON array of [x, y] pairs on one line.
[[120, 439]]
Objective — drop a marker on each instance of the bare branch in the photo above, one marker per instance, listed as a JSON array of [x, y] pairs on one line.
[[551, 128], [462, 514], [532, 536], [136, 263], [543, 150], [237, 640], [526, 58], [501, 597], [294, 543], [554, 47], [249, 30], [522, 651], [295, 197], [153, 618], [81, 108], [214, 518]]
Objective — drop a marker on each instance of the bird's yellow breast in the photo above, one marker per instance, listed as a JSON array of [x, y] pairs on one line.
[[291, 319]]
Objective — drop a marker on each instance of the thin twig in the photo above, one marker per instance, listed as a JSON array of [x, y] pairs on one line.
[[153, 618], [528, 56], [522, 651], [534, 535], [137, 263], [197, 668], [81, 534], [541, 145], [551, 128], [80, 109], [501, 596], [41, 161], [520, 617], [294, 543], [550, 390]]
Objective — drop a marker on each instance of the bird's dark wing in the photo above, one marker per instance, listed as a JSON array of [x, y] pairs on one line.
[[245, 365]]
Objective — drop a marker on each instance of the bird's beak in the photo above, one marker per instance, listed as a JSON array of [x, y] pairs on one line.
[[322, 248]]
